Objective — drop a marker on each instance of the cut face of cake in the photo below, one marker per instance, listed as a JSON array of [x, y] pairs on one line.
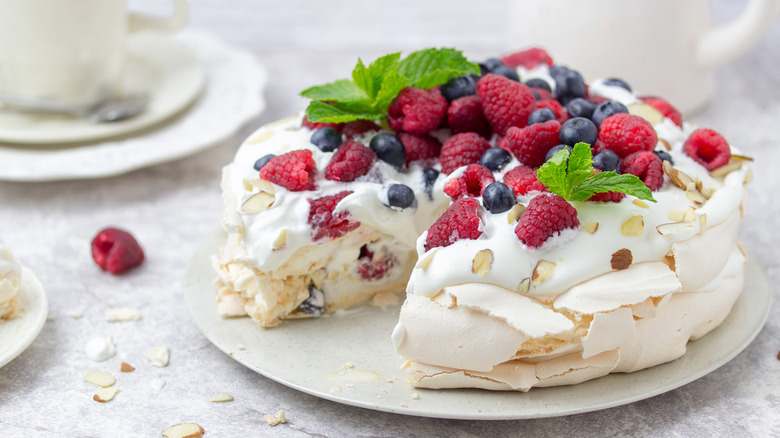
[[10, 277], [546, 231]]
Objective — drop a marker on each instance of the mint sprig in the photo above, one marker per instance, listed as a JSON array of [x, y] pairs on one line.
[[572, 177], [373, 87]]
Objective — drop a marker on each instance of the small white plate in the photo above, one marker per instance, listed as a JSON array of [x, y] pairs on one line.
[[17, 334], [163, 67], [310, 355]]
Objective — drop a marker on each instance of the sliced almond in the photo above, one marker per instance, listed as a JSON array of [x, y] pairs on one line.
[[639, 203], [678, 177], [674, 228], [273, 420], [676, 215], [258, 202], [725, 169], [247, 185], [666, 144], [697, 198], [621, 259], [590, 227], [99, 378], [105, 395], [122, 314], [689, 215], [423, 264], [126, 367], [543, 270], [707, 192], [524, 286], [515, 213], [737, 157], [634, 226], [645, 111], [482, 262], [263, 185], [184, 430], [221, 398], [159, 356], [748, 176], [259, 138], [281, 240], [702, 222]]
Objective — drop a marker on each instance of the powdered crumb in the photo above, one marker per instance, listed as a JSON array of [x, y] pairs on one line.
[[347, 365], [273, 420], [415, 396], [241, 347], [403, 405]]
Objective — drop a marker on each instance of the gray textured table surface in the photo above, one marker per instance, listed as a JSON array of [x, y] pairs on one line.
[[172, 207]]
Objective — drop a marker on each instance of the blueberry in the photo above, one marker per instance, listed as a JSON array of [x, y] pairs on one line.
[[606, 109], [556, 70], [538, 83], [498, 198], [492, 63], [536, 94], [458, 87], [506, 71], [495, 159], [400, 196], [615, 82], [606, 160], [541, 115], [578, 129], [262, 161], [430, 176], [327, 139], [389, 149], [579, 107], [555, 150], [569, 85], [664, 156], [315, 303]]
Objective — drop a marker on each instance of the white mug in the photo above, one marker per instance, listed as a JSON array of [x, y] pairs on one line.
[[660, 47], [70, 52]]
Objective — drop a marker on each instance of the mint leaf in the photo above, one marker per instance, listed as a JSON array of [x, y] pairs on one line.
[[322, 112], [431, 67], [392, 85], [553, 173], [580, 166], [342, 90], [611, 182], [369, 79]]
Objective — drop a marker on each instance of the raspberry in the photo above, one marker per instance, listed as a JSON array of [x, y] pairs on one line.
[[543, 93], [553, 105], [530, 144], [460, 221], [461, 149], [316, 125], [294, 170], [358, 127], [472, 183], [626, 134], [373, 268], [665, 107], [465, 115], [596, 99], [419, 147], [528, 58], [545, 216], [350, 161], [116, 251], [416, 110], [522, 180], [708, 148], [324, 222], [606, 196], [647, 166], [505, 103]]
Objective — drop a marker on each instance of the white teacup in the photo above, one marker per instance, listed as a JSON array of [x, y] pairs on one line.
[[70, 52], [661, 47]]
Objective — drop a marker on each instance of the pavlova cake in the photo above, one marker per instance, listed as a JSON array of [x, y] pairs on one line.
[[546, 230], [10, 277]]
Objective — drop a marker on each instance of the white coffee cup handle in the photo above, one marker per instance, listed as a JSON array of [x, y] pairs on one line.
[[724, 43], [139, 23]]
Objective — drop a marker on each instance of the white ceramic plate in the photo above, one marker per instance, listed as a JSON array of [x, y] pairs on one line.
[[165, 68], [232, 97], [310, 355], [17, 334]]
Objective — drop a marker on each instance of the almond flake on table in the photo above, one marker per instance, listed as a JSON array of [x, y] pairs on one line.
[[122, 314], [184, 430], [273, 420], [105, 394], [159, 356]]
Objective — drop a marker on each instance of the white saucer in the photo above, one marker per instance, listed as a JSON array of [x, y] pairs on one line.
[[163, 67], [17, 334], [309, 355], [233, 96]]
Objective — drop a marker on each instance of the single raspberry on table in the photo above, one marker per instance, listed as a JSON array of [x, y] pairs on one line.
[[116, 250], [553, 105], [522, 180], [531, 143], [472, 183], [419, 147], [324, 222], [460, 150], [317, 125], [505, 103], [350, 161], [646, 166], [294, 170], [460, 221], [465, 115], [666, 108], [708, 148], [625, 134], [358, 127], [528, 58], [417, 111], [545, 216]]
